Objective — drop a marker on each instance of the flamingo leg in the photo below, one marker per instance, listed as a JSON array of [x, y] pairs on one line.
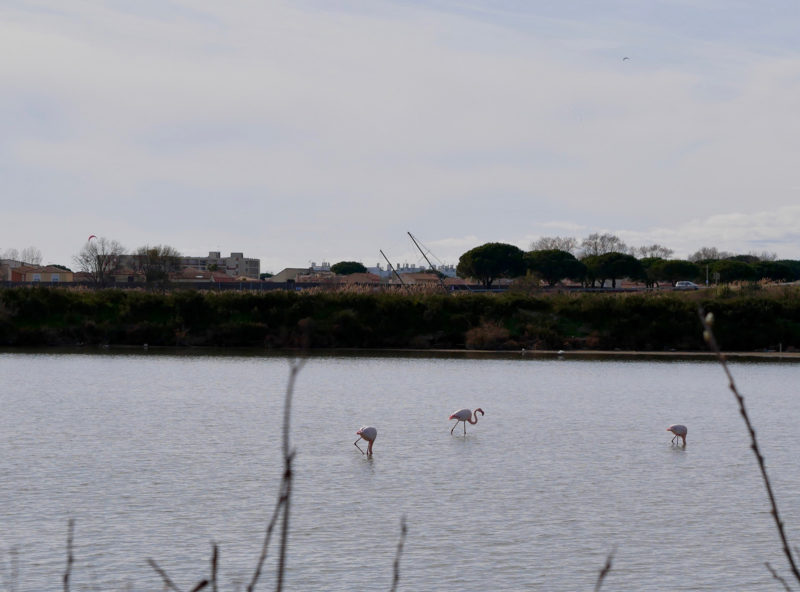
[[454, 427], [465, 428], [357, 446]]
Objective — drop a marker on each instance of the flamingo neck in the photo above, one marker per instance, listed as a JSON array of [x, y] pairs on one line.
[[474, 415]]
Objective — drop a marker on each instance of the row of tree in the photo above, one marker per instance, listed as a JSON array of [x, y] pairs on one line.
[[100, 258], [605, 258], [28, 255]]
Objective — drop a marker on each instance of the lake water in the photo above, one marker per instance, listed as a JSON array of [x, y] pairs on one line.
[[157, 455]]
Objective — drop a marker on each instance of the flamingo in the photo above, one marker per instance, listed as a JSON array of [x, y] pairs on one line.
[[369, 434], [679, 431], [465, 415]]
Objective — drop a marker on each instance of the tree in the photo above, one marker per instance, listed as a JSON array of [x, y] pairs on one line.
[[649, 251], [600, 244], [794, 268], [31, 255], [733, 271], [708, 254], [348, 267], [156, 263], [99, 257], [553, 265], [673, 270], [28, 255], [745, 258], [265, 275], [773, 270], [491, 261], [561, 243], [613, 266]]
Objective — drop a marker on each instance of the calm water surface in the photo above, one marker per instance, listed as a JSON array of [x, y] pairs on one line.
[[156, 456]]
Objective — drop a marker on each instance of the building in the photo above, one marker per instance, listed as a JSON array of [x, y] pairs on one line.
[[39, 273], [386, 272], [237, 265]]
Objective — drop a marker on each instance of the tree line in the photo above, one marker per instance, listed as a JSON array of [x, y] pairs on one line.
[[604, 258]]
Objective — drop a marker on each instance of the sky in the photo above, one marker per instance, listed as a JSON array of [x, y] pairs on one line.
[[326, 130]]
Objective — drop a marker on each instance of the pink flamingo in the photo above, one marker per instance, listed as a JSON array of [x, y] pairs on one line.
[[369, 434], [679, 431], [465, 415]]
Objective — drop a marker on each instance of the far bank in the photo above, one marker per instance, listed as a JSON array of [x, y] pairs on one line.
[[753, 319]]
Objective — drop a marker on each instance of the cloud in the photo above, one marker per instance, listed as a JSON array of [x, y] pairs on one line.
[[298, 132]]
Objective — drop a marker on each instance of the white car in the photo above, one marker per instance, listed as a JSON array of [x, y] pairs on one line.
[[683, 285]]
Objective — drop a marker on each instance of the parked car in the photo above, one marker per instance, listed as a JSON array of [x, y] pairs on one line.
[[684, 285]]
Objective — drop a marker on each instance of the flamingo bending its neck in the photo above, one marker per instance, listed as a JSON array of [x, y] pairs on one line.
[[465, 415], [679, 431], [369, 434]]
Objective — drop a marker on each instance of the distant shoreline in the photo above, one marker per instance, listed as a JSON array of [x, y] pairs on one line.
[[333, 351]]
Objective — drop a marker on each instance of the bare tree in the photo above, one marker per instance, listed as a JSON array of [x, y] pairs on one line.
[[157, 262], [653, 251], [99, 257], [561, 243], [12, 254], [764, 255], [31, 256], [600, 244], [709, 254]]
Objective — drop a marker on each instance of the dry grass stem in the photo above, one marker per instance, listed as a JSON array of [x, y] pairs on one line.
[[70, 556], [708, 335], [214, 564], [778, 577], [164, 577], [604, 572], [284, 495], [400, 544]]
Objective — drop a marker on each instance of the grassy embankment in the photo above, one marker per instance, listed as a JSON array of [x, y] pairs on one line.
[[747, 319]]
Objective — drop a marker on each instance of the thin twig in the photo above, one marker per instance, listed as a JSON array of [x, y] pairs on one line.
[[267, 536], [400, 543], [708, 335], [164, 577], [285, 489], [70, 557], [214, 563], [288, 457], [604, 572], [778, 577]]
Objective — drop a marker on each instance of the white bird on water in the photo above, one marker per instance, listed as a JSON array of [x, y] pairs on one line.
[[679, 431], [465, 415], [369, 434]]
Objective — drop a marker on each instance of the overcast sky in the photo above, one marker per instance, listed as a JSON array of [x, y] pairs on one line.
[[324, 130]]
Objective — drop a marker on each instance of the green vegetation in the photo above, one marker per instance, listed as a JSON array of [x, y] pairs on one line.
[[747, 319], [491, 261], [348, 267]]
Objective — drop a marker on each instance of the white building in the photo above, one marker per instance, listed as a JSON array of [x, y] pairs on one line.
[[237, 265]]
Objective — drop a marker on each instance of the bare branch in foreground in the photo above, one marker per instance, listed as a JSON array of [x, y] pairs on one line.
[[400, 544], [214, 563], [708, 320], [70, 557], [604, 572], [288, 457], [778, 577], [164, 577], [281, 505]]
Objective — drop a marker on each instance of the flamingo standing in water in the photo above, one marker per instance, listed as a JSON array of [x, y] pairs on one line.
[[679, 431], [369, 434], [465, 415]]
